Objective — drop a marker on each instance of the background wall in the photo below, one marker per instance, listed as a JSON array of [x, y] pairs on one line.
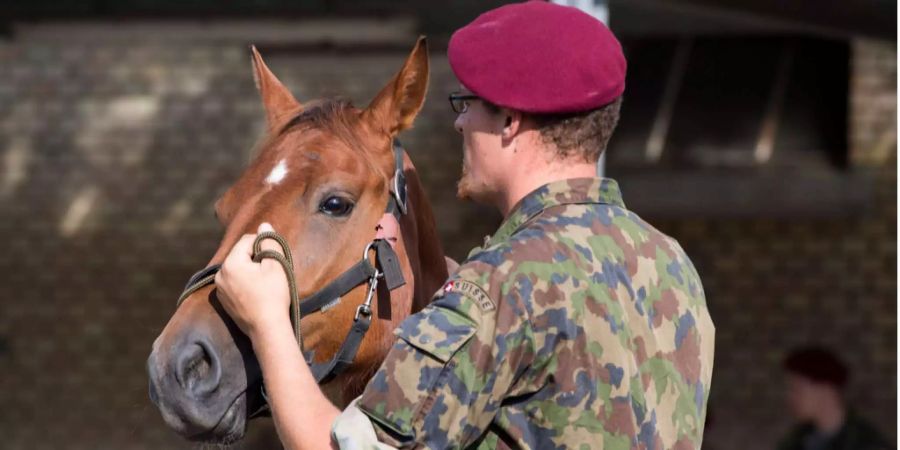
[[113, 150]]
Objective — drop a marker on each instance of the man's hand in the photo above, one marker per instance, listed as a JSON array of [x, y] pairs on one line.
[[255, 295]]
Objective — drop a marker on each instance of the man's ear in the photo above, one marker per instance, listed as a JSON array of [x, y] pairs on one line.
[[512, 123], [277, 100], [398, 103]]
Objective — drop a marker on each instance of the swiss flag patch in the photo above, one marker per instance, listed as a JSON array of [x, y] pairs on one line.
[[472, 291]]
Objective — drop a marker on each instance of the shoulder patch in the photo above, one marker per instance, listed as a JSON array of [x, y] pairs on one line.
[[472, 291]]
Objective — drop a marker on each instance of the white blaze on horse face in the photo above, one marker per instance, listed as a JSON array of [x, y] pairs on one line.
[[278, 173]]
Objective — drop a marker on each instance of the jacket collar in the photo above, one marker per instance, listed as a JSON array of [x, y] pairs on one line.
[[564, 192]]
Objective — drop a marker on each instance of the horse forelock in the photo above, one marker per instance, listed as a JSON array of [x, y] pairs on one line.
[[340, 119]]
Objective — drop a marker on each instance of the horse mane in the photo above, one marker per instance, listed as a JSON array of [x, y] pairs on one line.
[[326, 113]]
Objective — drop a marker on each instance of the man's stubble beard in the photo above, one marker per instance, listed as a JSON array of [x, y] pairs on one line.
[[463, 186], [473, 185], [468, 188]]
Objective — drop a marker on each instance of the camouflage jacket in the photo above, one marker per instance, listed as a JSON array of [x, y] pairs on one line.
[[577, 325]]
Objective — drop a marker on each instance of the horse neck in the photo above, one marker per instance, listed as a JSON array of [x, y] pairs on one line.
[[423, 245]]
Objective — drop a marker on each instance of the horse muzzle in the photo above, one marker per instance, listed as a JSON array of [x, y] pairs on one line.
[[199, 384]]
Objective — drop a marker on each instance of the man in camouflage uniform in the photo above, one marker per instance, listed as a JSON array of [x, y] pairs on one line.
[[577, 324]]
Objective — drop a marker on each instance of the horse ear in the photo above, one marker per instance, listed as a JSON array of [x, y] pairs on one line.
[[276, 98], [398, 103]]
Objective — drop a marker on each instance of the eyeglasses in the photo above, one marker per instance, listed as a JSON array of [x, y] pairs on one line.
[[460, 102]]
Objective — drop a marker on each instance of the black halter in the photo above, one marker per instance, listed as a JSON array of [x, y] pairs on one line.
[[387, 268]]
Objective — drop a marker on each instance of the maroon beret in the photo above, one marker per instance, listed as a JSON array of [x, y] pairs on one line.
[[539, 57]]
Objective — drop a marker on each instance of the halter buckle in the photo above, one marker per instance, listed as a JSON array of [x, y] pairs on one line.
[[368, 248], [399, 190], [365, 308], [373, 246], [362, 310]]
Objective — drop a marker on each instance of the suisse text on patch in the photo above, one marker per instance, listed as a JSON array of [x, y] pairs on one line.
[[474, 292]]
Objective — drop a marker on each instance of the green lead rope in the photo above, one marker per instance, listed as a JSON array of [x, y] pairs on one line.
[[287, 263], [208, 276]]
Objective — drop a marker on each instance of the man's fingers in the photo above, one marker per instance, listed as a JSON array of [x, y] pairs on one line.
[[268, 244], [239, 255], [244, 246]]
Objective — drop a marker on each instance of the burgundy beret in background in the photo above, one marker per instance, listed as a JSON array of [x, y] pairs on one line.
[[539, 57]]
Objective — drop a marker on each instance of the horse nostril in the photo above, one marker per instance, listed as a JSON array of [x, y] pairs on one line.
[[198, 369]]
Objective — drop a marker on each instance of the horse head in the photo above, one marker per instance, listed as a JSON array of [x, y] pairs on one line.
[[323, 176]]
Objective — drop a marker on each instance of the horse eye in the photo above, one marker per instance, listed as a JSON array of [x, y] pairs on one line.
[[336, 206]]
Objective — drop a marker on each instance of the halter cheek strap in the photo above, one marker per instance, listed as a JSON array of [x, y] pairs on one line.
[[397, 202]]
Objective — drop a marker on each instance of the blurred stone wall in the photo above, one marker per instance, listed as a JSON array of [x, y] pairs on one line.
[[776, 284], [113, 151], [112, 155]]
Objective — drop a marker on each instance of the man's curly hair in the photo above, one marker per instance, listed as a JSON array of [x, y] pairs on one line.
[[581, 135]]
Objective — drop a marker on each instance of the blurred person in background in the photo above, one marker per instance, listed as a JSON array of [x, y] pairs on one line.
[[816, 382]]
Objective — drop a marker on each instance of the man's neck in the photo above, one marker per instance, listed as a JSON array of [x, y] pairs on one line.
[[523, 182]]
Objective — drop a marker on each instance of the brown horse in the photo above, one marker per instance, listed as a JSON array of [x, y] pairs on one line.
[[322, 178]]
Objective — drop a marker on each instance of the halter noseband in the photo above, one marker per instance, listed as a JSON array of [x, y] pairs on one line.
[[387, 267]]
